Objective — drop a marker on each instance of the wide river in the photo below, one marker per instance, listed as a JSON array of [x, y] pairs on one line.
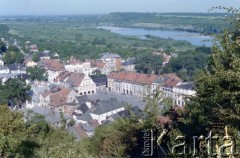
[[194, 38]]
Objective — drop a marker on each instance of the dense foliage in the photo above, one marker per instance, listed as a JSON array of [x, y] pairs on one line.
[[70, 37], [34, 137], [4, 31], [187, 64], [216, 107], [37, 73], [3, 47], [13, 55], [149, 64], [14, 92]]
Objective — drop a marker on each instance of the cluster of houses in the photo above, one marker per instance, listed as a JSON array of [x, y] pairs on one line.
[[138, 84], [70, 88]]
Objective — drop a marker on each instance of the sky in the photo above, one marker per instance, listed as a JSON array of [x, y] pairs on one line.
[[77, 7]]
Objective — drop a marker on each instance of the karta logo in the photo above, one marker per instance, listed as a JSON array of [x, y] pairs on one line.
[[155, 146]]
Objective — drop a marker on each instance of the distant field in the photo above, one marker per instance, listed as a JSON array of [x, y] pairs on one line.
[[70, 36], [78, 35]]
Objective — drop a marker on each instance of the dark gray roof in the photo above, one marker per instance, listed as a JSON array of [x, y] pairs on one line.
[[109, 55], [3, 67], [83, 107], [42, 54], [100, 81], [88, 128], [23, 76], [85, 117], [125, 113], [71, 104], [83, 99], [15, 66], [121, 114], [187, 86], [107, 106], [130, 61], [107, 122]]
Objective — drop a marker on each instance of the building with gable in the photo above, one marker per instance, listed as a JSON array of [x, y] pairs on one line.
[[75, 65], [56, 98], [132, 83], [183, 92], [108, 62], [82, 83], [53, 67]]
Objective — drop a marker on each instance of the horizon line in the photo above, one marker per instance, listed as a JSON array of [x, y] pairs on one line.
[[92, 14]]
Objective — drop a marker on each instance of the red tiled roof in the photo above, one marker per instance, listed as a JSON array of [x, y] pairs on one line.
[[45, 94], [131, 76], [139, 78], [100, 64], [172, 80], [113, 75], [75, 79], [62, 76], [57, 98], [121, 75], [53, 65]]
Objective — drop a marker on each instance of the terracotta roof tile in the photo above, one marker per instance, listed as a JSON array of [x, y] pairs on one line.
[[62, 76], [53, 65], [75, 79], [57, 98], [121, 76], [139, 78], [113, 75], [100, 64]]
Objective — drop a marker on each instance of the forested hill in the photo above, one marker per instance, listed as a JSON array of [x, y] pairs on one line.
[[207, 23]]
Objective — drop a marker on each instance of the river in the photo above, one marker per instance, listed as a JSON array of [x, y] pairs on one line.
[[194, 38]]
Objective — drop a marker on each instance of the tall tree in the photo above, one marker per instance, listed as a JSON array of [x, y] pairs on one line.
[[13, 57], [37, 73], [14, 91], [149, 64], [36, 57], [3, 47], [217, 104]]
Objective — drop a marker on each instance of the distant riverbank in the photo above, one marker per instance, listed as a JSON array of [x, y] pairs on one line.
[[192, 37]]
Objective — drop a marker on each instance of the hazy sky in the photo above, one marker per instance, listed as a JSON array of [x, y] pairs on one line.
[[62, 7]]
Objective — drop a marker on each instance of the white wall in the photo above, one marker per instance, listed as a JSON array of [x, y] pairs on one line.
[[100, 118], [52, 75], [84, 68], [1, 62], [87, 86]]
